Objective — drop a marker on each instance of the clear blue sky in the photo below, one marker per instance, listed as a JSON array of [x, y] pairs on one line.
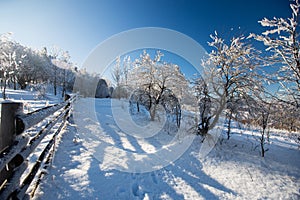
[[80, 25]]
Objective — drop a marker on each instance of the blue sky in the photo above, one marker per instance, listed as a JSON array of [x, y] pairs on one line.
[[79, 26]]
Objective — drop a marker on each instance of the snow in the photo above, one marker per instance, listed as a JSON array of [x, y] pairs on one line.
[[31, 100], [96, 159]]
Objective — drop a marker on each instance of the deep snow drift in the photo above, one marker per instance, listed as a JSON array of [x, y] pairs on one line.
[[232, 170]]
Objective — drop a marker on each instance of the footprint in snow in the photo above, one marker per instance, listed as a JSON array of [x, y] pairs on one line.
[[133, 176], [137, 191], [153, 176]]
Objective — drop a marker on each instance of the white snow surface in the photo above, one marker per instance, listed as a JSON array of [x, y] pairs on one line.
[[233, 169], [31, 100]]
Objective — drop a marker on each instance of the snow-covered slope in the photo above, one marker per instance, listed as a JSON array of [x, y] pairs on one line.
[[232, 170], [31, 100]]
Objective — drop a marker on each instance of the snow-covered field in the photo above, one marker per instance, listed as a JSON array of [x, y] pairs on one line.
[[95, 159]]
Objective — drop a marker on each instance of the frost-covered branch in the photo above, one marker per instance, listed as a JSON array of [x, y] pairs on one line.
[[282, 41], [230, 74]]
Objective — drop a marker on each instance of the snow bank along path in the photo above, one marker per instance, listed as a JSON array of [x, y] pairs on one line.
[[233, 170]]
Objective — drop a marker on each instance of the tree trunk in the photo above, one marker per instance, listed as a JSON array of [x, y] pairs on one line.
[[262, 143], [64, 84], [178, 116], [54, 89], [4, 89], [229, 125], [14, 82], [54, 84], [265, 117], [153, 112], [292, 125]]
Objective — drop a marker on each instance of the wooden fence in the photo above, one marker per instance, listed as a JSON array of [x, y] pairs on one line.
[[20, 135]]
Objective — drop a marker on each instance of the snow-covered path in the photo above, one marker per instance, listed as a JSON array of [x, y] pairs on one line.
[[233, 170]]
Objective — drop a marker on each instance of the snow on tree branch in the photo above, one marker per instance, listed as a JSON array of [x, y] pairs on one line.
[[282, 41]]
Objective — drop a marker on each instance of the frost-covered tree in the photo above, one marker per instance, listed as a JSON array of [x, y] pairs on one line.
[[126, 68], [286, 117], [26, 69], [117, 75], [205, 107], [65, 63], [61, 70], [86, 83], [282, 41], [21, 66], [53, 56], [155, 77], [261, 111], [18, 51], [8, 60], [9, 65], [230, 73]]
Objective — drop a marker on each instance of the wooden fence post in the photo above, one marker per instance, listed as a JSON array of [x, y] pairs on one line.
[[9, 110]]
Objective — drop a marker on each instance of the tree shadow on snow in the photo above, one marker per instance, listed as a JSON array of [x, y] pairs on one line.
[[78, 174], [108, 124]]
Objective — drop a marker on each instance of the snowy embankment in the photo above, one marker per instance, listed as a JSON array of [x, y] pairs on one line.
[[94, 156], [31, 100]]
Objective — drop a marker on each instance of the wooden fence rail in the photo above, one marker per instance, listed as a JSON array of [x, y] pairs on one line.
[[13, 159]]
